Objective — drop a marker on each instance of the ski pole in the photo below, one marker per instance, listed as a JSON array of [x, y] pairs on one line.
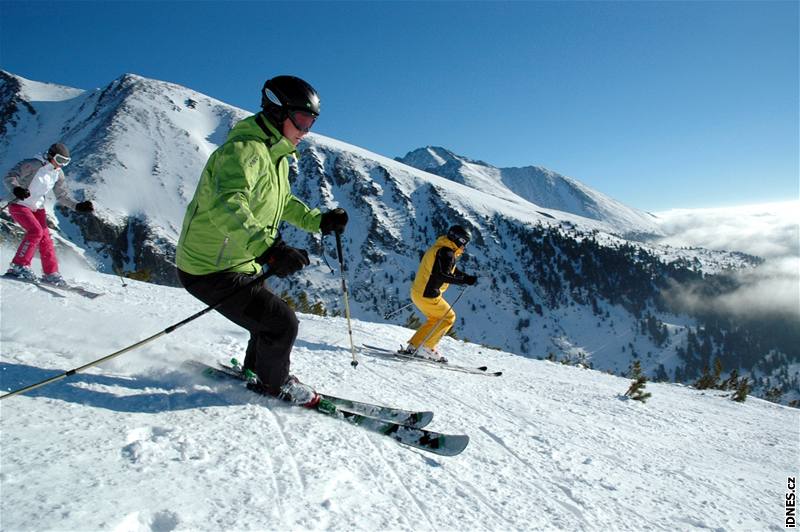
[[262, 277], [436, 325], [354, 363], [117, 271], [6, 204], [392, 313]]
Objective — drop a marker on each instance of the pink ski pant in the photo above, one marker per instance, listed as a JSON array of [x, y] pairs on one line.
[[37, 236]]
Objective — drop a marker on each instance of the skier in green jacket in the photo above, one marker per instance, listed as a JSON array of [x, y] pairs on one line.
[[231, 229]]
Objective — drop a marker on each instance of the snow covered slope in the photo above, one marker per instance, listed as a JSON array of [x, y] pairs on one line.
[[543, 188], [140, 444]]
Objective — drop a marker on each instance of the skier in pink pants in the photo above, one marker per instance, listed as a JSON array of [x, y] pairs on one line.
[[29, 181]]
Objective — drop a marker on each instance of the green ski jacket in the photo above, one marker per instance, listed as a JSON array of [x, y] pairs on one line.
[[241, 198]]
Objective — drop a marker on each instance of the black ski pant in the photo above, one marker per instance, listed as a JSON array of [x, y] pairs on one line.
[[272, 324]]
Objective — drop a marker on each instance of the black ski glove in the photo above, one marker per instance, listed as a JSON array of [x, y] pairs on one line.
[[22, 193], [284, 260], [84, 206], [470, 280], [334, 220]]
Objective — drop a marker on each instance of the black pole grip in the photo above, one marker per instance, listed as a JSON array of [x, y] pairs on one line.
[[339, 249]]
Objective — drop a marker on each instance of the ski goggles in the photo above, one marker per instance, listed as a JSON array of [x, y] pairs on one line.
[[61, 160], [460, 241], [302, 120]]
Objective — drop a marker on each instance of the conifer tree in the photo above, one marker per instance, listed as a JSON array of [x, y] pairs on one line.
[[636, 389], [717, 371], [732, 382], [707, 380], [741, 391], [774, 394], [319, 309], [302, 302]]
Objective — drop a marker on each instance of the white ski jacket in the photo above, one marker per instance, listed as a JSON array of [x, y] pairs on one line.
[[39, 177]]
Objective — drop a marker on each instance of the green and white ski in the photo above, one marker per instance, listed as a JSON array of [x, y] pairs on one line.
[[401, 425]]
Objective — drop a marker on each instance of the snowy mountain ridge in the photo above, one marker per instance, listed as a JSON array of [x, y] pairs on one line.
[[539, 186], [140, 144]]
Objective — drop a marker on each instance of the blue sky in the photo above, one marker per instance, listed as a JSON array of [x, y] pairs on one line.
[[658, 104]]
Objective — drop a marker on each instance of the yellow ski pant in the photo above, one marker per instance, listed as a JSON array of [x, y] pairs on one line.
[[435, 309]]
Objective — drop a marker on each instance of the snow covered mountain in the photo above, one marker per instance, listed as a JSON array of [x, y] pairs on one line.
[[539, 186], [138, 148], [141, 443], [557, 277]]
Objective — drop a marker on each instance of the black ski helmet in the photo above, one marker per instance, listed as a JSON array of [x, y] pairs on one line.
[[283, 94], [459, 235]]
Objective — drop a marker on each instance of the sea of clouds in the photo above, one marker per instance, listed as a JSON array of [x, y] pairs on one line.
[[770, 231]]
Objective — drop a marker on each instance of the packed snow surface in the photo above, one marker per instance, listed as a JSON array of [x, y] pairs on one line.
[[141, 443]]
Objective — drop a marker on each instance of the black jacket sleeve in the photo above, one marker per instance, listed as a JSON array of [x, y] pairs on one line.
[[444, 263]]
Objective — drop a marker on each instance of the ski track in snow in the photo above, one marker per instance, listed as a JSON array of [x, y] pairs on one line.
[[141, 444]]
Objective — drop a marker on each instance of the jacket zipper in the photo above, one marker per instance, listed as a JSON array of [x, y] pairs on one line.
[[281, 206], [222, 250]]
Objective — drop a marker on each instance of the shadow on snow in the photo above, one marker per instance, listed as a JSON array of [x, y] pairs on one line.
[[141, 393]]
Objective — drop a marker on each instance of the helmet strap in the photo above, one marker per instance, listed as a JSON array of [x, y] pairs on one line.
[[262, 123], [276, 115]]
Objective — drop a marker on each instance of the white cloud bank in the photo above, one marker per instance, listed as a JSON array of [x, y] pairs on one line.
[[770, 231]]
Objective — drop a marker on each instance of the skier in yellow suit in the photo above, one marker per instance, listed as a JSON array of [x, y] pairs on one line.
[[436, 272]]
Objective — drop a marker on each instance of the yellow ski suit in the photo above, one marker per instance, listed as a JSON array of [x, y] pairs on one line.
[[435, 274]]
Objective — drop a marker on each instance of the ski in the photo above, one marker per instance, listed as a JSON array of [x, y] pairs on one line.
[[388, 353], [417, 419], [73, 288], [37, 284], [426, 440]]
